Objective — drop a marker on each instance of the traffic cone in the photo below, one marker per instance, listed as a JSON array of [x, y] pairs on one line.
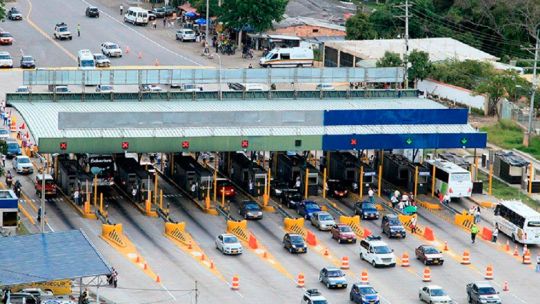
[[364, 277], [211, 264], [507, 246], [265, 255], [527, 258], [489, 273], [505, 286], [326, 252], [345, 262], [137, 259], [466, 259], [202, 257], [235, 283], [516, 252], [300, 281], [22, 127], [145, 266], [189, 246], [127, 49], [427, 275], [158, 280], [525, 249], [405, 260], [445, 246], [156, 62], [140, 55]]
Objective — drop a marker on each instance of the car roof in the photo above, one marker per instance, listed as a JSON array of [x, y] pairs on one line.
[[377, 243], [323, 213], [483, 284], [22, 156], [433, 286], [227, 234], [331, 268], [295, 234]]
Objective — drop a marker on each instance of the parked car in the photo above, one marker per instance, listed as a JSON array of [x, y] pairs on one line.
[[429, 255], [101, 61], [343, 233], [158, 11], [364, 294], [225, 187], [6, 61], [104, 88], [294, 243], [392, 227], [187, 87], [62, 32], [332, 277], [4, 134], [277, 187], [434, 294], [291, 198], [186, 35], [366, 210], [27, 62], [92, 12], [373, 250], [307, 208], [111, 49], [14, 14], [22, 89], [23, 165], [250, 210], [322, 220], [22, 298], [325, 87], [150, 88], [13, 148], [6, 38], [336, 189], [39, 294], [228, 244], [482, 292]]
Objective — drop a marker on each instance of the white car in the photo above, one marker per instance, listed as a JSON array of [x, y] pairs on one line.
[[434, 294], [187, 87], [104, 88], [313, 296], [185, 35], [39, 293], [150, 88], [4, 134], [102, 61], [322, 220], [6, 61], [23, 165], [325, 87], [22, 89], [228, 244], [62, 32], [111, 49], [377, 252]]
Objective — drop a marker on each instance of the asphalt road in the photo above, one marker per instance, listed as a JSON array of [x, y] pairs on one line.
[[33, 36]]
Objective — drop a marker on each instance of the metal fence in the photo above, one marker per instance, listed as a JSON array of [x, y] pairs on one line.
[[211, 76]]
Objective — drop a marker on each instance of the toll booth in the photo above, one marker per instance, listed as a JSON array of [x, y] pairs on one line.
[[70, 176], [130, 174], [188, 171], [400, 171], [242, 170], [346, 167], [9, 212], [508, 166], [290, 168]]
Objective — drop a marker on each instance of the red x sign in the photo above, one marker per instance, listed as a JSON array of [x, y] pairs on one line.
[[63, 146], [125, 145], [245, 143], [185, 144], [353, 141]]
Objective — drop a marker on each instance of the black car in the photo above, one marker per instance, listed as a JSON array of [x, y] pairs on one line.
[[277, 187], [92, 12], [250, 210], [169, 11], [294, 243], [336, 189], [159, 12], [291, 198], [366, 210], [14, 14], [28, 62], [392, 227]]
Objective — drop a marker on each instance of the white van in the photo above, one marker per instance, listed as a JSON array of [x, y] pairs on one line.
[[136, 16], [85, 60], [236, 86], [288, 57]]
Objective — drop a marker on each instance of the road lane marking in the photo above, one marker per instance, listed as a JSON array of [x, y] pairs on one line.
[[42, 32]]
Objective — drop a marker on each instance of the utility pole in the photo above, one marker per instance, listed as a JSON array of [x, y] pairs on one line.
[[196, 293], [527, 137], [207, 33], [405, 8]]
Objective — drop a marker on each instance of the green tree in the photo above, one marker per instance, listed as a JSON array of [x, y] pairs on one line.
[[503, 84], [258, 14], [358, 27], [2, 10], [215, 9], [420, 66], [390, 59]]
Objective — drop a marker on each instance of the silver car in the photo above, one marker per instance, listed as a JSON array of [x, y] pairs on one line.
[[434, 294], [228, 244], [333, 277], [322, 220]]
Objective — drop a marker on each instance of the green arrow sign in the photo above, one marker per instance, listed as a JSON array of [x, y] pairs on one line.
[[408, 141], [464, 141]]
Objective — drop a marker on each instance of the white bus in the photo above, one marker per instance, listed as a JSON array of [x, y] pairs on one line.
[[288, 57], [85, 59], [518, 221], [450, 178]]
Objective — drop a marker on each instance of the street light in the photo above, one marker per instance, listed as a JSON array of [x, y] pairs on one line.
[[219, 77], [207, 22]]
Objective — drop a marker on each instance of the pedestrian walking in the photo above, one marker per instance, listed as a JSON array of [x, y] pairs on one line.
[[250, 187], [298, 183], [134, 194], [413, 224], [78, 30], [495, 233], [121, 9], [401, 205], [154, 24], [474, 232], [477, 215], [193, 190], [164, 22], [396, 194], [371, 195], [395, 201], [114, 278], [39, 215], [76, 197], [446, 199]]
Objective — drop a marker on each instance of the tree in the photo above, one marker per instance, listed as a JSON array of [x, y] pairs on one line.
[[503, 84], [215, 9], [420, 66], [358, 27], [256, 14], [390, 59], [2, 10]]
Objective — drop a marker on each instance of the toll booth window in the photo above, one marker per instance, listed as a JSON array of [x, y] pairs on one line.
[[422, 179], [515, 171], [312, 180], [9, 219], [368, 179]]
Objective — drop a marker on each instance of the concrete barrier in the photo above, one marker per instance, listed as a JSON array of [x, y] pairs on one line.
[[178, 232], [354, 223], [238, 228], [464, 220], [295, 226], [114, 233]]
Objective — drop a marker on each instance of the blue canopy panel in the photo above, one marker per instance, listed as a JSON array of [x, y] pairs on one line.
[[50, 256], [404, 141], [395, 117]]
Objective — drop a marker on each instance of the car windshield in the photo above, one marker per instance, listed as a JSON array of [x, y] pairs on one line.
[[87, 63], [334, 273], [5, 35], [367, 290], [312, 206], [251, 206], [437, 292], [5, 57], [23, 160], [62, 89], [27, 58], [112, 46], [345, 229], [106, 88], [486, 291], [368, 206], [93, 9], [394, 222], [100, 56], [14, 10], [189, 32], [325, 217], [319, 302], [381, 249], [63, 29], [430, 250], [533, 224], [296, 239], [230, 240], [4, 131], [13, 145], [460, 177]]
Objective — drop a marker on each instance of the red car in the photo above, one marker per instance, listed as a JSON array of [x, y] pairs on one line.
[[343, 233], [224, 185], [6, 38]]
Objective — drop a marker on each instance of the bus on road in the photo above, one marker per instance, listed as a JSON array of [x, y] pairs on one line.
[[99, 166], [85, 60], [519, 221], [451, 179]]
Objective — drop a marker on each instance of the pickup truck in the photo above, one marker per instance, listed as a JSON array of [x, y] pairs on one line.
[[482, 292], [376, 252]]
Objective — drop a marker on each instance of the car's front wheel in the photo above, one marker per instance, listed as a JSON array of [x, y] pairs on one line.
[[373, 263]]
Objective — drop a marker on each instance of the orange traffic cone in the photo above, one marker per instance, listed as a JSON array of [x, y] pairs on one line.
[[127, 49], [345, 262], [364, 277], [265, 255], [527, 258], [405, 260], [137, 259], [158, 280], [466, 259], [202, 257], [189, 246], [211, 264], [507, 246], [145, 266], [140, 55], [235, 283], [427, 275], [445, 246], [525, 249], [505, 286], [326, 252], [489, 273], [300, 281]]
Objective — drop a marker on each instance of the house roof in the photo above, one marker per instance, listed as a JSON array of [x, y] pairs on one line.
[[297, 21]]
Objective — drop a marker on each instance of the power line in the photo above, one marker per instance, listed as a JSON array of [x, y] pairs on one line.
[[405, 7]]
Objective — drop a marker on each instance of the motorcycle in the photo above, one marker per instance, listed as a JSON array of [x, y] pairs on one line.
[[247, 54]]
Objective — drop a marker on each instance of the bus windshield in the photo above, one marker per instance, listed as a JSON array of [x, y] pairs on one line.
[[87, 63], [460, 177]]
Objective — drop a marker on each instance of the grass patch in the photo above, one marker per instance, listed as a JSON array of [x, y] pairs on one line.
[[504, 192], [508, 135]]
